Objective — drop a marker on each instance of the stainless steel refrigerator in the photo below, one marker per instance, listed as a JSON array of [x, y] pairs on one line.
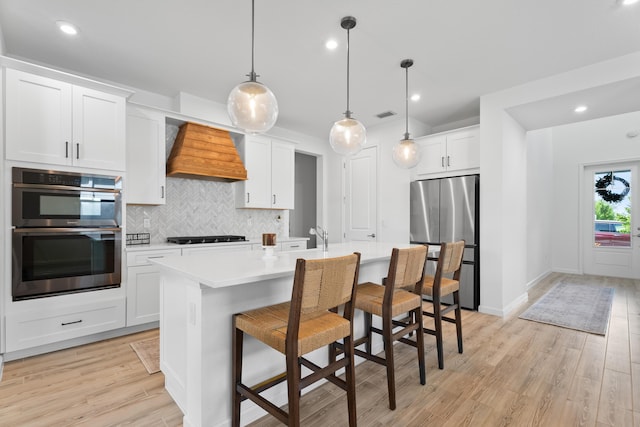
[[445, 210]]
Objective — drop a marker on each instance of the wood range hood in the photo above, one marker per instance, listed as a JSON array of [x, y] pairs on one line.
[[203, 152]]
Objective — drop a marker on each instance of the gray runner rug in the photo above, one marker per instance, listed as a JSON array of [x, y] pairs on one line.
[[582, 307]]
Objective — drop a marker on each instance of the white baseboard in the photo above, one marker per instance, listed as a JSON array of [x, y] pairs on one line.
[[537, 280], [508, 309], [566, 271]]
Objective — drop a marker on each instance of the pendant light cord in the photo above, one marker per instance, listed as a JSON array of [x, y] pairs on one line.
[[348, 112], [253, 75], [406, 103]]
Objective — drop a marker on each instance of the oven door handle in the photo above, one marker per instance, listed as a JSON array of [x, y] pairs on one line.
[[68, 230], [66, 188]]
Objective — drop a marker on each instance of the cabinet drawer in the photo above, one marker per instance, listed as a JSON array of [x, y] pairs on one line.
[[294, 246], [35, 328], [142, 257], [259, 247], [215, 249]]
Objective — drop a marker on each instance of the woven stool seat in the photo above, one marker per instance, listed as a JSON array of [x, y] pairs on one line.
[[447, 286], [269, 325], [370, 296]]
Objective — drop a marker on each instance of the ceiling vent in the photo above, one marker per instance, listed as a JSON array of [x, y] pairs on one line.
[[203, 152], [385, 114]]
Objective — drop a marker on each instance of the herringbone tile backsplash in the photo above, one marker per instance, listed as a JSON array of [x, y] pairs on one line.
[[198, 208]]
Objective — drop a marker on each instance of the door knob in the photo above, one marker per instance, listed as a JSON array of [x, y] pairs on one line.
[[371, 235]]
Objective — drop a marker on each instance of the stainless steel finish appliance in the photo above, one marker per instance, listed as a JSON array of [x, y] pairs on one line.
[[63, 199], [66, 233], [445, 210]]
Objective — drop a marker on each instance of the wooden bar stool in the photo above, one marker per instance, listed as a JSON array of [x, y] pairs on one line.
[[308, 322], [400, 295], [438, 286]]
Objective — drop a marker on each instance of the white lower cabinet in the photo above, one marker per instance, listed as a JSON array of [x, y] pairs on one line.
[[32, 328], [214, 249], [288, 245], [143, 285], [294, 245]]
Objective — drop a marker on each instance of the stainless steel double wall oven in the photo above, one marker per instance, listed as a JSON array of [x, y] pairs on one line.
[[66, 232]]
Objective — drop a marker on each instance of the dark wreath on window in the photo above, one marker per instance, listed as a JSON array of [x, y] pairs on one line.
[[607, 195]]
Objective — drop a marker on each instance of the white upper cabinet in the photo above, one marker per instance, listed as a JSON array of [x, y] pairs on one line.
[[53, 122], [270, 174], [453, 151], [146, 157], [282, 175]]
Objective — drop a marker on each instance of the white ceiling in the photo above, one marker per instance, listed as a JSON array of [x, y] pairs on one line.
[[461, 50]]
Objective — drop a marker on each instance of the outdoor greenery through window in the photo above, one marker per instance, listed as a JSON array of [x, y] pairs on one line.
[[612, 208]]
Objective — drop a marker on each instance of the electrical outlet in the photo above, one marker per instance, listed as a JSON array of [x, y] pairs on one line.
[[146, 223]]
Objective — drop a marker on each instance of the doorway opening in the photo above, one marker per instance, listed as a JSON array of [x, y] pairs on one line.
[[304, 214]]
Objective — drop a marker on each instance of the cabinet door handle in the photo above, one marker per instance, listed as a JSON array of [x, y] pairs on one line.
[[448, 161], [442, 161], [71, 323], [162, 191], [372, 235], [78, 151], [66, 149], [247, 197], [274, 199], [294, 246]]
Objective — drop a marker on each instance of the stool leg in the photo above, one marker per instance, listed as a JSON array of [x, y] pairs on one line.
[[237, 374], [350, 377], [387, 331], [420, 344], [437, 318], [367, 331], [293, 388], [458, 313]]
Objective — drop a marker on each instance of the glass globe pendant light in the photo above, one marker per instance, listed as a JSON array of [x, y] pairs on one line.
[[252, 107], [406, 153], [348, 135]]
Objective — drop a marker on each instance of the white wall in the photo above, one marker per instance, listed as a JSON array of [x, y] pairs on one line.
[[514, 211], [393, 182], [540, 202], [501, 257], [3, 48], [596, 141]]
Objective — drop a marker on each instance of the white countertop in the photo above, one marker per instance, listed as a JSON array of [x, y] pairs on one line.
[[249, 241], [235, 268]]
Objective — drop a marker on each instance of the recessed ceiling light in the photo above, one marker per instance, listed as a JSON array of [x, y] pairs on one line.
[[67, 28], [580, 109], [331, 44], [415, 97], [629, 2]]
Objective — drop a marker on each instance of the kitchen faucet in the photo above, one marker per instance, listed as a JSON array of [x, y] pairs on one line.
[[322, 235]]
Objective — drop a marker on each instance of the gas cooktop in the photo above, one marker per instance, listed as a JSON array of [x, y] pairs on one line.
[[190, 240]]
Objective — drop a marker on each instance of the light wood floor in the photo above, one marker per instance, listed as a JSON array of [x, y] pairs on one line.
[[513, 373]]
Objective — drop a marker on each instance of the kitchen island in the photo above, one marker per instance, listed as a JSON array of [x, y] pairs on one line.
[[199, 295]]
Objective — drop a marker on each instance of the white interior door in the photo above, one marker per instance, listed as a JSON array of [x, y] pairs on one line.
[[361, 195], [611, 220]]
